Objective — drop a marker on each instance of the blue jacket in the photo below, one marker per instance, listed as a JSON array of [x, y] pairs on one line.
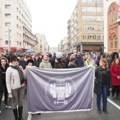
[[79, 62]]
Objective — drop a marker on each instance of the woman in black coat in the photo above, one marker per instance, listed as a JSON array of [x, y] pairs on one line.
[[102, 85], [1, 89], [3, 68]]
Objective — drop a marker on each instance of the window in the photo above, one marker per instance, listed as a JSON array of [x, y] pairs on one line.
[[7, 6], [91, 9], [17, 34], [111, 44], [18, 43], [6, 33], [17, 18], [92, 1], [93, 27], [7, 24], [17, 26], [17, 9], [6, 42], [7, 15], [115, 44]]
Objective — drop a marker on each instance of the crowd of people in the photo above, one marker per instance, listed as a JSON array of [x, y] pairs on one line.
[[13, 67]]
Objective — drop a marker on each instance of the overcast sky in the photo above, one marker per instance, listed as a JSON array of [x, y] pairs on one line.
[[50, 18]]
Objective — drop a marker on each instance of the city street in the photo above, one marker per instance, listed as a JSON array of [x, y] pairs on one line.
[[114, 114]]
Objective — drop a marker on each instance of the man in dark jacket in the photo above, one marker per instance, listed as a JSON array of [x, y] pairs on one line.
[[79, 60], [22, 62]]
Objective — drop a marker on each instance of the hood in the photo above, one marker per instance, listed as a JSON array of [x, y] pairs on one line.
[[45, 61]]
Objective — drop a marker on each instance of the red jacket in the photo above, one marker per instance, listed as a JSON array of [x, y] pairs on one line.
[[115, 71]]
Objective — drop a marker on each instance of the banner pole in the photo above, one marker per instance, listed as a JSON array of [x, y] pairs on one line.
[[29, 116]]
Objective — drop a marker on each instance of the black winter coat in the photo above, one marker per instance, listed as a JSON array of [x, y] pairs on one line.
[[3, 78], [1, 84], [37, 62], [22, 63], [99, 77]]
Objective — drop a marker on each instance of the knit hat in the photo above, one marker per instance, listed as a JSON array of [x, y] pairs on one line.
[[4, 58]]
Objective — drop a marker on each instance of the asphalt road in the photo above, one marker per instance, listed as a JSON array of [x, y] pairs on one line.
[[114, 114]]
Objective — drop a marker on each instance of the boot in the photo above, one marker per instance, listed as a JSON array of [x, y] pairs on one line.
[[15, 114], [20, 110], [99, 111]]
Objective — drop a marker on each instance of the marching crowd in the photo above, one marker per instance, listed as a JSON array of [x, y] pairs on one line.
[[13, 67]]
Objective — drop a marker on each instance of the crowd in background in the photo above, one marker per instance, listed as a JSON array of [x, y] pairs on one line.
[[109, 62]]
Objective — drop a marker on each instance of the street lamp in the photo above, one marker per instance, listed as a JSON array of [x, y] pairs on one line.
[[9, 39]]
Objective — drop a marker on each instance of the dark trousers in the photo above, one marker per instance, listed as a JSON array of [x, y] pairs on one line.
[[103, 96], [1, 95], [115, 89], [5, 95]]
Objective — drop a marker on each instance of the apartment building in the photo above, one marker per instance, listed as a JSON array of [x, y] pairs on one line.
[[15, 25], [112, 25], [86, 26], [64, 45], [42, 43]]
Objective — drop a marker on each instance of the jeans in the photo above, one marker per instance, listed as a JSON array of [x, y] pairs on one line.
[[103, 96]]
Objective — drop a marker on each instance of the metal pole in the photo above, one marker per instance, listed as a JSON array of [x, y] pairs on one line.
[[81, 47], [9, 39]]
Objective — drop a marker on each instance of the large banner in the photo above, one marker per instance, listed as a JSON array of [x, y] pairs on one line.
[[59, 89]]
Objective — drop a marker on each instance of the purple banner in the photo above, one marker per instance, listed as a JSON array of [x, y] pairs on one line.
[[59, 89]]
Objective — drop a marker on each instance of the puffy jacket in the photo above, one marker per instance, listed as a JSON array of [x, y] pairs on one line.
[[12, 79]]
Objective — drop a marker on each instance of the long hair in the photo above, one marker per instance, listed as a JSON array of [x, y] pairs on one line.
[[104, 60], [114, 61], [113, 55]]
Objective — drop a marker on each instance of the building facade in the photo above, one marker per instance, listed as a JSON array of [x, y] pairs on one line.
[[64, 45], [42, 43], [15, 25], [86, 26], [112, 25], [53, 50]]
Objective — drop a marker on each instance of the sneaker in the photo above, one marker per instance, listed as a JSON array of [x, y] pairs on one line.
[[105, 111], [113, 97], [5, 106], [9, 107], [99, 111]]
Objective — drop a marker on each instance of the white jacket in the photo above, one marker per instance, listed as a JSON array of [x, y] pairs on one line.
[[12, 79]]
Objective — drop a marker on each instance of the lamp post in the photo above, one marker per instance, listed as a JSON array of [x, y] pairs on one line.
[[9, 39]]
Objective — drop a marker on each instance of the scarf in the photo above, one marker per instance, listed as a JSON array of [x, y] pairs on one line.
[[19, 72]]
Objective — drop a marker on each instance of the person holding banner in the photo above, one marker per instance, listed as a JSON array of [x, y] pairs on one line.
[[45, 63], [102, 85], [15, 86]]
